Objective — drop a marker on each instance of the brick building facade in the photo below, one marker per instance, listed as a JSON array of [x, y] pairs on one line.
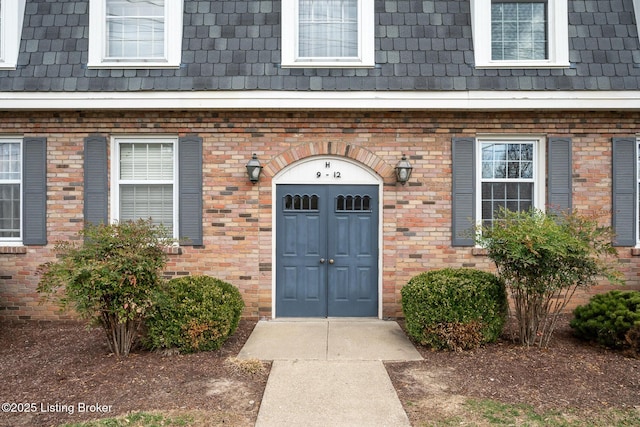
[[424, 98]]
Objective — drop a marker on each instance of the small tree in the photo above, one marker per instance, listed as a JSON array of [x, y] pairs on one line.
[[110, 277], [543, 259]]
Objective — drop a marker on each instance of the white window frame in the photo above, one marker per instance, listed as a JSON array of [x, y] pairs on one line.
[[557, 34], [11, 18], [15, 241], [98, 39], [637, 201], [636, 11], [115, 173], [366, 39], [539, 168]]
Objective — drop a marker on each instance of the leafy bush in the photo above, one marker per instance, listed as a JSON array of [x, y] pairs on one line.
[[543, 258], [193, 313], [454, 309], [608, 318], [109, 278]]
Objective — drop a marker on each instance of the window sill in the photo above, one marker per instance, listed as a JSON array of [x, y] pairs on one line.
[[18, 250], [173, 250], [131, 65], [522, 65], [326, 64], [479, 252]]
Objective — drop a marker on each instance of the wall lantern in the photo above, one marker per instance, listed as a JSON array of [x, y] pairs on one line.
[[403, 170], [254, 169]]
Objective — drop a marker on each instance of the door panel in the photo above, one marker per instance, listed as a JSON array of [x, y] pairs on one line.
[[289, 288], [326, 250], [300, 244], [353, 244]]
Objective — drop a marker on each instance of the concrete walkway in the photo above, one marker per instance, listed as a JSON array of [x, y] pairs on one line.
[[329, 372]]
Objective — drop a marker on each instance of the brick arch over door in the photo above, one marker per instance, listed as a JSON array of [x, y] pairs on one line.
[[354, 152]]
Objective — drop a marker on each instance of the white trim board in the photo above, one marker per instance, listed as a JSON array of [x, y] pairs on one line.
[[324, 100]]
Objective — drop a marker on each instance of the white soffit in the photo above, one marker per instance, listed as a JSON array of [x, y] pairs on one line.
[[325, 100]]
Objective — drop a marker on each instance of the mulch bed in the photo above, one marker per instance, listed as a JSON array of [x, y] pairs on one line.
[[57, 373], [569, 374], [51, 365]]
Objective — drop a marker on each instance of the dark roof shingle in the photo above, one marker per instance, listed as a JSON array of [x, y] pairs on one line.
[[235, 45]]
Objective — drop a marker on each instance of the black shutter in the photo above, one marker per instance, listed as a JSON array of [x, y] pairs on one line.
[[34, 191], [559, 175], [463, 201], [95, 180], [190, 190], [625, 193]]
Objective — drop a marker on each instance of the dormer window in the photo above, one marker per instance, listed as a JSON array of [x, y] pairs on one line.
[[135, 33], [328, 33], [135, 30], [520, 33], [11, 18]]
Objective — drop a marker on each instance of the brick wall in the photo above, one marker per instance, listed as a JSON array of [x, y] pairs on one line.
[[237, 215]]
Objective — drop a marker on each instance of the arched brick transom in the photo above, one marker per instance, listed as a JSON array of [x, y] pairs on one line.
[[354, 152]]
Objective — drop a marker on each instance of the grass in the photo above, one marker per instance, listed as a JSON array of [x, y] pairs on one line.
[[473, 412], [140, 419], [250, 367], [486, 412], [163, 419]]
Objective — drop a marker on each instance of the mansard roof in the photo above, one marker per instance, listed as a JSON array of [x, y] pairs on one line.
[[235, 45]]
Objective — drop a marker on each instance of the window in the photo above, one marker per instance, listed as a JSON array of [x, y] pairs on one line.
[[135, 33], [144, 181], [636, 11], [11, 17], [637, 219], [353, 203], [509, 176], [301, 202], [135, 29], [328, 33], [490, 172], [520, 33], [10, 190]]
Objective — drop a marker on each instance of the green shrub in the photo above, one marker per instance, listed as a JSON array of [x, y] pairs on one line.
[[607, 318], [109, 277], [543, 258], [454, 309], [193, 313]]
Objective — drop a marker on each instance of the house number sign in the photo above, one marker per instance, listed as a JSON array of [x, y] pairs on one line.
[[328, 172]]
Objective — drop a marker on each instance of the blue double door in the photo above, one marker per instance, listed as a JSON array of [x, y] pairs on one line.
[[327, 250]]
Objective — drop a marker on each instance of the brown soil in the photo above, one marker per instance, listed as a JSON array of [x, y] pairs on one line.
[[52, 365], [570, 376]]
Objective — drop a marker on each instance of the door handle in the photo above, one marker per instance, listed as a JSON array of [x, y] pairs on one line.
[[331, 261], [321, 260]]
